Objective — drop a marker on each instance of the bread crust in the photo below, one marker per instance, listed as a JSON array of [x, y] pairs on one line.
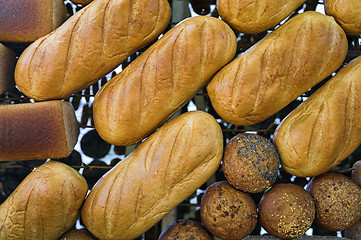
[[347, 13], [7, 67], [37, 130], [163, 170], [88, 45], [278, 69], [45, 204], [162, 80], [251, 16], [323, 130]]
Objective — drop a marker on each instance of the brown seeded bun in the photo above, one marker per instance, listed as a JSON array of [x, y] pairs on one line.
[[356, 173], [286, 211], [77, 234], [186, 230], [250, 163], [227, 212], [337, 199]]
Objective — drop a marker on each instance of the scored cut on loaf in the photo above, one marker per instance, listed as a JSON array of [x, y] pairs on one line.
[[37, 130], [158, 175], [251, 16], [44, 205], [24, 21], [278, 69], [162, 80], [324, 130], [7, 67], [88, 45]]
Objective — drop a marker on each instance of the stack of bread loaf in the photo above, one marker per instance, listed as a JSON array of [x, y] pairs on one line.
[[251, 156]]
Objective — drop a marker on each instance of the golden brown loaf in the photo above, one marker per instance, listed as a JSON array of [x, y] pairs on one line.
[[24, 21], [250, 163], [37, 130], [251, 16], [186, 230], [337, 199], [163, 170], [347, 13], [228, 213], [323, 130], [88, 45], [286, 211], [279, 68], [45, 205], [7, 66], [164, 78]]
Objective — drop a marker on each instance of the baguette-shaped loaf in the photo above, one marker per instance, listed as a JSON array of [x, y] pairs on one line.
[[325, 129], [347, 13], [163, 170], [24, 21], [88, 45], [7, 66], [37, 130], [252, 16], [162, 80], [45, 204], [278, 69]]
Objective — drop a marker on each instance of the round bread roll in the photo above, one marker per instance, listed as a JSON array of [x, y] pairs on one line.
[[227, 212], [77, 234], [186, 230], [286, 211], [356, 173], [250, 163], [347, 13], [337, 199], [82, 2]]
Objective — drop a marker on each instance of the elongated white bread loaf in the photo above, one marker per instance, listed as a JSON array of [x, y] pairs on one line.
[[347, 13], [37, 130], [24, 21], [252, 16], [325, 129], [45, 204], [162, 80], [163, 171], [278, 69], [88, 45]]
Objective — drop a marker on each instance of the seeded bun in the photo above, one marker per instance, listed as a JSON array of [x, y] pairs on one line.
[[337, 199], [356, 173], [228, 213], [186, 230], [286, 211], [250, 163]]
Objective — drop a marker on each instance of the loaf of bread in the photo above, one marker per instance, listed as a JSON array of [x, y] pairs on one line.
[[347, 13], [158, 175], [7, 66], [286, 211], [37, 130], [185, 229], [337, 199], [251, 16], [278, 69], [163, 79], [82, 2], [88, 45], [77, 234], [24, 21], [45, 204], [323, 130]]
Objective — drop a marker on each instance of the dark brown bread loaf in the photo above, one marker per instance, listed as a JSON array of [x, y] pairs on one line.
[[185, 230], [24, 21], [228, 213], [45, 204], [278, 69], [337, 199], [7, 66], [250, 16], [162, 171], [162, 80], [88, 45], [286, 211], [37, 130], [323, 130]]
